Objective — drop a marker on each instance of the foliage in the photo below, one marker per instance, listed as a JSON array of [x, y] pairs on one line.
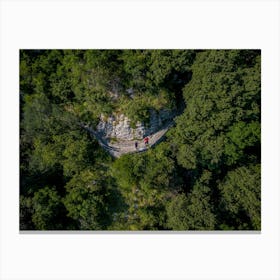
[[221, 99], [204, 176], [26, 212], [48, 209], [241, 196], [193, 211], [88, 198]]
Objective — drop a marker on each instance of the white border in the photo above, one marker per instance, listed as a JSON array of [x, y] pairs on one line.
[[124, 24]]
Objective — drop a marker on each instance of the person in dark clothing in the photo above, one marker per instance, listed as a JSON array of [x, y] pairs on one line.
[[136, 145]]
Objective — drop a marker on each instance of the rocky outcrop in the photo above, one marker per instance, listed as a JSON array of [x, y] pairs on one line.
[[119, 126]]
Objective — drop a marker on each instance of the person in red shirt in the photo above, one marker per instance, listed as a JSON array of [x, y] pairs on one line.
[[146, 141]]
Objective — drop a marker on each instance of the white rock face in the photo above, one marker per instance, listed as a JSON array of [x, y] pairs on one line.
[[119, 126]]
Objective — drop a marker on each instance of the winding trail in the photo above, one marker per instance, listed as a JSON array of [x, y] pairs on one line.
[[120, 147]]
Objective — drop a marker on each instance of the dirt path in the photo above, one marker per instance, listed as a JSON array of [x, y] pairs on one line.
[[121, 147]]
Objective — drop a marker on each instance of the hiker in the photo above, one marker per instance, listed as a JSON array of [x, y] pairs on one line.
[[146, 141], [136, 145]]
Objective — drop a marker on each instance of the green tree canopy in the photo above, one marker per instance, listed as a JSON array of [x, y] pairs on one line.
[[89, 199], [193, 211], [48, 209], [241, 197], [222, 95]]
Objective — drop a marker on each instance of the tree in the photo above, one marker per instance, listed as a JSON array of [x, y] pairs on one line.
[[221, 97], [37, 112], [146, 181], [193, 211], [241, 197], [48, 210], [26, 212], [89, 199], [242, 136]]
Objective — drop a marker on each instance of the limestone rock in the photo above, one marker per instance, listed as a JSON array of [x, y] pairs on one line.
[[119, 126]]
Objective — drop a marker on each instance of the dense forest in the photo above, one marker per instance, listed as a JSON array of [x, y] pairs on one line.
[[205, 175]]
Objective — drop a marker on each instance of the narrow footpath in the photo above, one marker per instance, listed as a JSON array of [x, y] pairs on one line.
[[121, 147]]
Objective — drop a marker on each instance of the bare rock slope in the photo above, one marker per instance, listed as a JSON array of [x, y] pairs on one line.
[[119, 126], [120, 147], [116, 135]]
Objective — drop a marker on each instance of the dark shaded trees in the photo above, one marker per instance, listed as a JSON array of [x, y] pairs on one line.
[[193, 211], [49, 212], [241, 197]]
